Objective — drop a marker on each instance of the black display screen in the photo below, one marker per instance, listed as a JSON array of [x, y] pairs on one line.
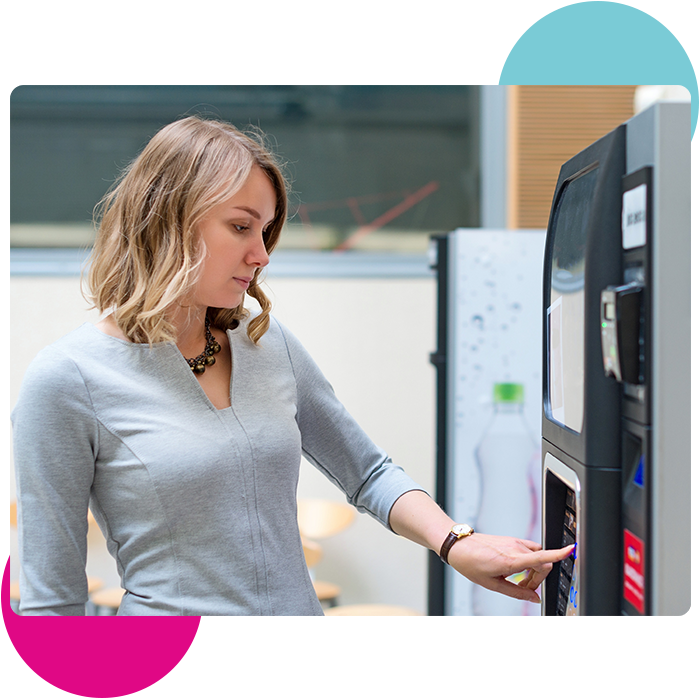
[[566, 311]]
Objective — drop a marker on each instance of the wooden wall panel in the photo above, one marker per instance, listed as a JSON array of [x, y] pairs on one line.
[[548, 125]]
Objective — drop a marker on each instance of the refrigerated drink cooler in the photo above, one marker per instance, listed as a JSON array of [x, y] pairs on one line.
[[616, 372]]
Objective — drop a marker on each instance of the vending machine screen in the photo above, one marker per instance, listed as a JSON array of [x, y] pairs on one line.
[[566, 312]]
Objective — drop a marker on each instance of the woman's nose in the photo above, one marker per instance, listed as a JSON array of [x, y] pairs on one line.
[[258, 255]]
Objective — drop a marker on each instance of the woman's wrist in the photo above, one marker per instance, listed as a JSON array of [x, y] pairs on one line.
[[455, 535], [418, 518]]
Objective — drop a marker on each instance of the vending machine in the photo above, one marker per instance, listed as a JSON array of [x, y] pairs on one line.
[[616, 372]]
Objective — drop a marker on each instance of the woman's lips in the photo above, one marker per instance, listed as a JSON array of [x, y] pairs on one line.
[[244, 281]]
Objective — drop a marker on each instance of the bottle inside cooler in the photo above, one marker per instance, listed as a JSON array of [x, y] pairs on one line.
[[508, 504]]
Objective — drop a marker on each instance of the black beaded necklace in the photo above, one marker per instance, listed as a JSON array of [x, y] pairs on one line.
[[205, 359]]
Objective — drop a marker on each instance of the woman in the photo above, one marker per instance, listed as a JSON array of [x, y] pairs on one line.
[[180, 418]]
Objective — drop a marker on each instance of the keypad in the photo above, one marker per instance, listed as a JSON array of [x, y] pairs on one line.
[[566, 567]]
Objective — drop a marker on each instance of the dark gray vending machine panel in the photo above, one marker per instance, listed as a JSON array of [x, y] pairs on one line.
[[637, 275], [581, 401], [634, 438], [656, 411], [636, 351], [583, 257], [581, 506], [636, 518], [562, 510], [626, 330]]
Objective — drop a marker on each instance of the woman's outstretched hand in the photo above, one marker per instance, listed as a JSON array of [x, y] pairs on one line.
[[489, 560]]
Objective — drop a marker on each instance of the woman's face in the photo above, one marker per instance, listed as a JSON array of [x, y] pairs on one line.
[[232, 233]]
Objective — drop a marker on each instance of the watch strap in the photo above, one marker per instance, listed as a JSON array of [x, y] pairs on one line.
[[451, 538]]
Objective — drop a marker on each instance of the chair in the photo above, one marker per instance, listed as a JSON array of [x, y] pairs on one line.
[[313, 552], [327, 592], [370, 609], [320, 519]]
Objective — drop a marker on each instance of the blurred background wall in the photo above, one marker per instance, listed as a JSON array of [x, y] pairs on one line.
[[374, 171]]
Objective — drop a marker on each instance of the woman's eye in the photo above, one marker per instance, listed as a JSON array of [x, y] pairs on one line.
[[240, 228]]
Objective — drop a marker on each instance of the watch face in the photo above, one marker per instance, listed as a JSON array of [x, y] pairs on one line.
[[462, 529]]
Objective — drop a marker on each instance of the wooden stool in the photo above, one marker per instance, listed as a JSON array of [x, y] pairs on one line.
[[328, 593], [319, 519], [370, 609], [94, 584], [107, 602], [313, 552]]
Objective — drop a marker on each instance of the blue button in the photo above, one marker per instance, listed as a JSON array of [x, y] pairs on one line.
[[639, 474], [572, 596]]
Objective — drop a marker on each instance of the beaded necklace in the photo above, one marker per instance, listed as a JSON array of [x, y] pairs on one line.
[[206, 358]]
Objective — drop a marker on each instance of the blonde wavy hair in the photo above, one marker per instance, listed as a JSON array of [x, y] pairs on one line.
[[147, 254]]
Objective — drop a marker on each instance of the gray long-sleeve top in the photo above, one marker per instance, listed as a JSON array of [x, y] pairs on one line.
[[198, 505]]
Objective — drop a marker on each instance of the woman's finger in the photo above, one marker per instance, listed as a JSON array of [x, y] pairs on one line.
[[539, 560], [532, 546], [514, 590], [528, 580]]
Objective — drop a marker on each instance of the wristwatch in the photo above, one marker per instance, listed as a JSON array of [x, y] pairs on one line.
[[456, 533]]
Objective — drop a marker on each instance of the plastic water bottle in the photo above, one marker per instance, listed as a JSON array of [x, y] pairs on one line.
[[508, 503]]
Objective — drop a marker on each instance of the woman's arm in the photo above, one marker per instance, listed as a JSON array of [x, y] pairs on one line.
[[484, 559], [55, 441], [334, 442]]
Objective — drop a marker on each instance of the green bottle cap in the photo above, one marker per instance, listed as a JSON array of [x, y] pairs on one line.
[[508, 393]]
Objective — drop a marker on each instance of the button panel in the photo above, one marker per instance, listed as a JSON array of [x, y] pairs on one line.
[[567, 591]]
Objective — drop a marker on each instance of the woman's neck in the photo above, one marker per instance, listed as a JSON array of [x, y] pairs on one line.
[[189, 329]]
